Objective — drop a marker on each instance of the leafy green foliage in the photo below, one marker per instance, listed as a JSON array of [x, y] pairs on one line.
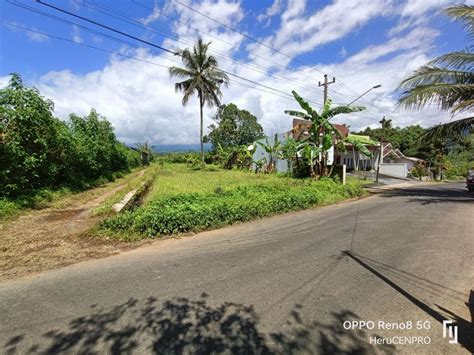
[[39, 151], [447, 81], [322, 132], [199, 211], [460, 158], [234, 127], [407, 139], [233, 156], [273, 149]]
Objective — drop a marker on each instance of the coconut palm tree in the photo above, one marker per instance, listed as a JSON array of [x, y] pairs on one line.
[[202, 76], [447, 80], [322, 132]]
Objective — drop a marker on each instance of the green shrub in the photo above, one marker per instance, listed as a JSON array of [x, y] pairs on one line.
[[38, 151], [199, 211]]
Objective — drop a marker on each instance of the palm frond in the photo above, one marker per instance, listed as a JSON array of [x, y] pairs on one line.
[[463, 106], [181, 72], [451, 129], [465, 14], [431, 75], [460, 60], [446, 96], [188, 87]]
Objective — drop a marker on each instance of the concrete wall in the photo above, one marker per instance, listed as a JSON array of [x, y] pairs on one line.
[[410, 163], [394, 169]]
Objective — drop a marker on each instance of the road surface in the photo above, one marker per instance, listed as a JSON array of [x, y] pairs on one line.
[[292, 283]]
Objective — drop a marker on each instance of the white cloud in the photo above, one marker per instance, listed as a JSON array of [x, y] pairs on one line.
[[140, 101], [271, 11], [414, 8], [155, 14], [37, 37], [76, 35], [302, 33], [343, 52]]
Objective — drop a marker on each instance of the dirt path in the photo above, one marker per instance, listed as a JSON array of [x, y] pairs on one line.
[[53, 237]]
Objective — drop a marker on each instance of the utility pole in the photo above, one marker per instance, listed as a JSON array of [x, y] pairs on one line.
[[326, 84], [324, 155], [381, 148]]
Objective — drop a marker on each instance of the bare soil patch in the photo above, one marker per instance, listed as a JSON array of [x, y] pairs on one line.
[[57, 236]]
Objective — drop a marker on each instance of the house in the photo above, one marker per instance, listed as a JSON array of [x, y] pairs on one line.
[[394, 162]]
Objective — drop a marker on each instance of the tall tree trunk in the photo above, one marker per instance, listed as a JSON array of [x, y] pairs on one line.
[[201, 129]]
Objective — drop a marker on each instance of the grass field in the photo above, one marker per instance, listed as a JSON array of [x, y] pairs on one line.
[[183, 200]]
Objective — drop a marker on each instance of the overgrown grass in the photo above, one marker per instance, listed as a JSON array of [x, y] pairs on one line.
[[183, 200]]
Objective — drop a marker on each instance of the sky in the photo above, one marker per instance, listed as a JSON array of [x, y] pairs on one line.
[[270, 46]]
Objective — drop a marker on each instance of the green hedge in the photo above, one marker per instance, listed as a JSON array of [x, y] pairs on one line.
[[195, 212]]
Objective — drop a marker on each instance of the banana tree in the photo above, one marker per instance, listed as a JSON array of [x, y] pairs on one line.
[[322, 132], [273, 150]]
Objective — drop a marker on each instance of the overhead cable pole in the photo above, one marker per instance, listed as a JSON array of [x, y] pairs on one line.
[[383, 122], [322, 166], [326, 84]]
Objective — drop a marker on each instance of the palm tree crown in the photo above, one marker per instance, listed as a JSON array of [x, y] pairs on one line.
[[202, 76], [447, 80]]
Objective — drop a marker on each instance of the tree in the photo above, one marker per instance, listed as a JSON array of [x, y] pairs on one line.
[[31, 145], [235, 127], [322, 132], [447, 80], [37, 150], [202, 76], [407, 139]]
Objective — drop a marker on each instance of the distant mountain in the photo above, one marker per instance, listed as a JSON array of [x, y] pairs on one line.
[[168, 148]]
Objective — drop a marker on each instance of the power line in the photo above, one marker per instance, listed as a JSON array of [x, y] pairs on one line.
[[168, 33], [252, 66], [273, 90], [190, 8], [234, 81], [155, 45], [83, 44]]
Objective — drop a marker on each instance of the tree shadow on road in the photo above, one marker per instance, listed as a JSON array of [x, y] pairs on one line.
[[428, 196], [181, 325]]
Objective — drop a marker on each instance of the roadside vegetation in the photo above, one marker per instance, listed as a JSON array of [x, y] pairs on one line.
[[43, 157], [446, 81], [184, 200]]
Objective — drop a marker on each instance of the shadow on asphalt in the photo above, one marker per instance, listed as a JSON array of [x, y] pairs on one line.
[[465, 327], [181, 326], [427, 196]]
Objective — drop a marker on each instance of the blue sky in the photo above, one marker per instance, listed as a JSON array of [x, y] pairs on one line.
[[287, 44]]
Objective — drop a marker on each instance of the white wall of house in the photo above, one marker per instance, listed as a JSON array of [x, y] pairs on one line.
[[364, 162], [410, 163], [394, 169]]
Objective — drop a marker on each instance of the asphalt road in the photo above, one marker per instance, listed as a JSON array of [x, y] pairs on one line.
[[282, 284]]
